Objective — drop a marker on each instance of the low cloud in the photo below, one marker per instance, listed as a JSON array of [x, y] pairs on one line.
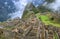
[[55, 6], [20, 6]]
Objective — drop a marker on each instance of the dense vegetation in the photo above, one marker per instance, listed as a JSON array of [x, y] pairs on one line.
[[49, 1]]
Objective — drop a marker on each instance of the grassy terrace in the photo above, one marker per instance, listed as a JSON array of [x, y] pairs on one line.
[[46, 21]]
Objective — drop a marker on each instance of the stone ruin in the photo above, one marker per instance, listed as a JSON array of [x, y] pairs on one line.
[[30, 28]]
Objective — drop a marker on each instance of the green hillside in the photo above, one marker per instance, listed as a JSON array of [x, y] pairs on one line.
[[46, 20]]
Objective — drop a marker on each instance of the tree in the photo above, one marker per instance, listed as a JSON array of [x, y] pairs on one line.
[[43, 9], [49, 1]]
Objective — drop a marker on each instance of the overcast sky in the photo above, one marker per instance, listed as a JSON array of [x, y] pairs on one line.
[[55, 5]]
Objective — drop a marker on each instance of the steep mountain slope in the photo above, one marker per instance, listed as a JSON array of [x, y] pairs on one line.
[[27, 28]]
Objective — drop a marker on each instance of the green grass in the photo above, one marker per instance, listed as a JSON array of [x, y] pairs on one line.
[[56, 36], [46, 21]]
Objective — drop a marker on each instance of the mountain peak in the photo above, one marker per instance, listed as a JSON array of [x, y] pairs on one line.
[[30, 8]]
